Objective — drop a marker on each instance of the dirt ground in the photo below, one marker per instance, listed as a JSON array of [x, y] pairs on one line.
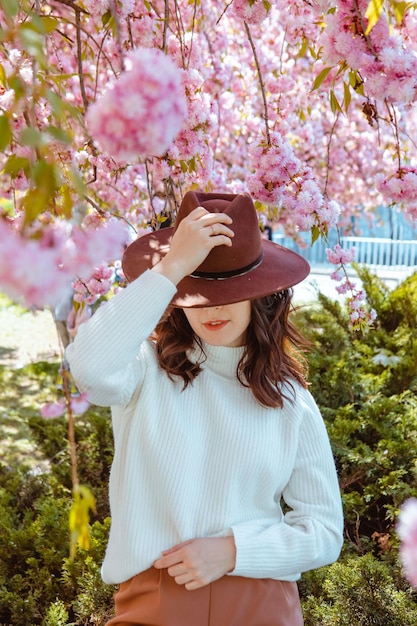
[[27, 337]]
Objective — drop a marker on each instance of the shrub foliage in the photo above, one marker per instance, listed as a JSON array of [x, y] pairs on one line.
[[366, 387]]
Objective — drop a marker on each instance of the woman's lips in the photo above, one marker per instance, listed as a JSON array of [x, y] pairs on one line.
[[215, 324]]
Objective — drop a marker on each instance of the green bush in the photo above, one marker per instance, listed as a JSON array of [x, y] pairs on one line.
[[38, 583], [359, 591], [366, 387]]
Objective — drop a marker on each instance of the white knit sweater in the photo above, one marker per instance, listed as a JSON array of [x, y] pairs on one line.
[[207, 461]]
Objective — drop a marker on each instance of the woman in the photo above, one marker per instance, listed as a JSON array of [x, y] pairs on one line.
[[223, 487]]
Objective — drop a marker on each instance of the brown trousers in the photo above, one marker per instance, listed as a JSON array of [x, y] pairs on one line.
[[153, 598]]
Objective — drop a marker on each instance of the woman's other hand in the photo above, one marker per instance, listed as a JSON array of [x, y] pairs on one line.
[[198, 562]]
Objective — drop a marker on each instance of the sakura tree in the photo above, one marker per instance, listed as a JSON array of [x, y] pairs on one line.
[[111, 109]]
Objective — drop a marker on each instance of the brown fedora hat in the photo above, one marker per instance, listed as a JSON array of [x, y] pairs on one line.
[[252, 267]]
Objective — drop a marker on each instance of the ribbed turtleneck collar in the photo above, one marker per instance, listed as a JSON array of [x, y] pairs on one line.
[[219, 359]]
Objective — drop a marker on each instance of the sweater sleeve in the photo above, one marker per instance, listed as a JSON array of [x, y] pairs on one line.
[[105, 356], [311, 533]]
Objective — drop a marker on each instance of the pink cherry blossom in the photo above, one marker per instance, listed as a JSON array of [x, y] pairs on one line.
[[339, 256], [400, 188], [143, 110], [80, 404], [252, 11], [387, 67], [121, 8], [53, 409], [40, 274], [407, 532]]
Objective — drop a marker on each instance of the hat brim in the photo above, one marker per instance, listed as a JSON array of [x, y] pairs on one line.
[[280, 269]]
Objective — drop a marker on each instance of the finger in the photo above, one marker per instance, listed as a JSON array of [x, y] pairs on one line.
[[194, 584], [197, 213], [177, 547], [183, 579], [220, 229], [220, 240], [215, 218], [177, 570], [167, 561]]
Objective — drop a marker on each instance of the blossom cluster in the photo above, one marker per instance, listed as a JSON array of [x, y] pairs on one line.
[[46, 265], [88, 290], [359, 314], [400, 188], [386, 65], [280, 178], [407, 532], [251, 11], [143, 110], [190, 152], [121, 8], [274, 165], [79, 404]]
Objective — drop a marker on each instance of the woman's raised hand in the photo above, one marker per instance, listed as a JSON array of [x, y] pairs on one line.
[[196, 235]]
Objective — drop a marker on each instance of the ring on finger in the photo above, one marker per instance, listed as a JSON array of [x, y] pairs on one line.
[[212, 231]]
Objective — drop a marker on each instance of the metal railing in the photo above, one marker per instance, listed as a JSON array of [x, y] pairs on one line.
[[382, 252], [372, 251]]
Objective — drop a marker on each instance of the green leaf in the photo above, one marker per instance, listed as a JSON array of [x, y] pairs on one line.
[[399, 9], [16, 83], [356, 82], [346, 96], [11, 7], [109, 23], [315, 234], [192, 165], [334, 103], [304, 47], [77, 181], [65, 206], [354, 79], [45, 24], [373, 13], [58, 134], [343, 66], [31, 137], [3, 78], [15, 165], [33, 41], [34, 203], [7, 207], [106, 17], [45, 176], [321, 77], [40, 196], [60, 106], [5, 132], [79, 518]]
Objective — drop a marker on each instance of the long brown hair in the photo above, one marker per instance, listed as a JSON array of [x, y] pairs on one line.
[[273, 354]]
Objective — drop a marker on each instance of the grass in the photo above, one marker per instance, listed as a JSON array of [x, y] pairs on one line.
[[22, 392], [24, 387]]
